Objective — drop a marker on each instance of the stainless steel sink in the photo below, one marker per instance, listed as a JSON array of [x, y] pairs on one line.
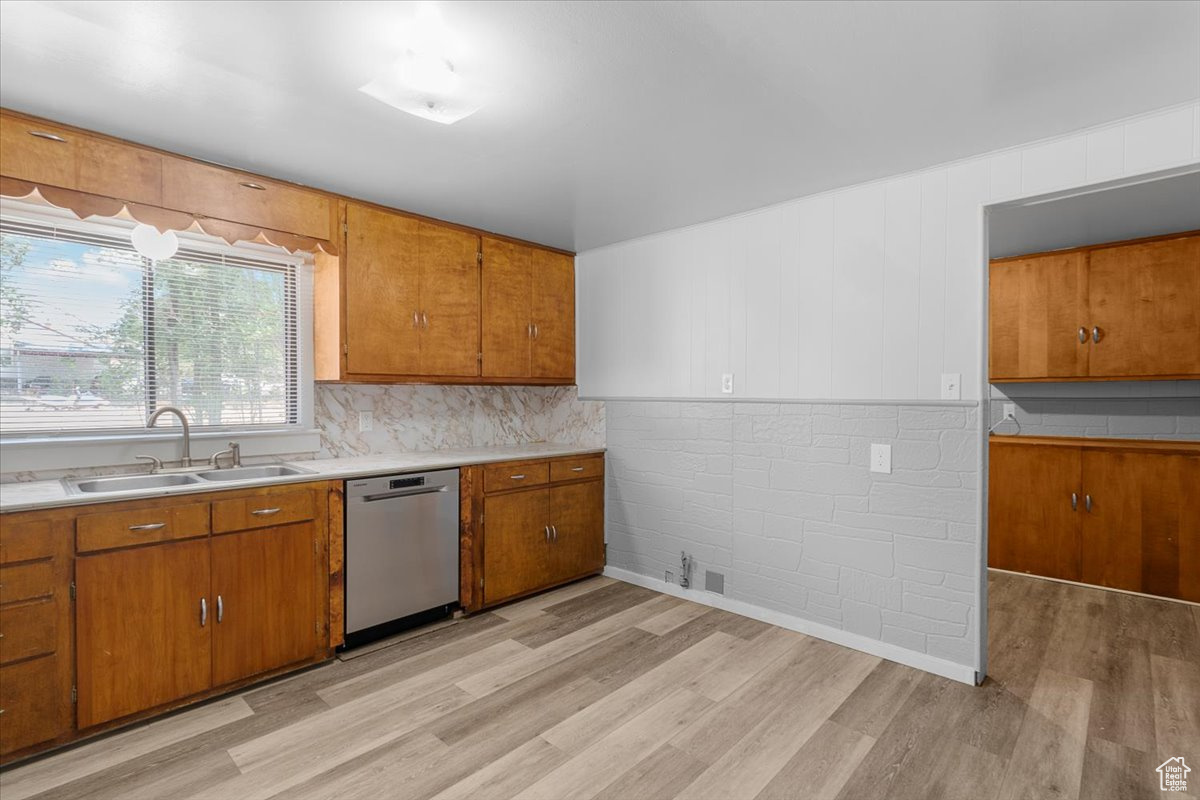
[[127, 483], [252, 473]]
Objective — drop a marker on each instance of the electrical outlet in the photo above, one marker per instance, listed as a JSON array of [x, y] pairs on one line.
[[951, 386], [668, 576], [1010, 410], [727, 383], [881, 458], [366, 421]]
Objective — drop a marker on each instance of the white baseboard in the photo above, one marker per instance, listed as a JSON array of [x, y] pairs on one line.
[[891, 652]]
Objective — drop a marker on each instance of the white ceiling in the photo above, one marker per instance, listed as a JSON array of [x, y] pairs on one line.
[[604, 120], [1167, 205]]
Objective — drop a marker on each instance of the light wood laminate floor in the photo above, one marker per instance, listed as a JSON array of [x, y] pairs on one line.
[[605, 690]]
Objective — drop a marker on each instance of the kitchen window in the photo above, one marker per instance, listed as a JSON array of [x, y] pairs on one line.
[[94, 337]]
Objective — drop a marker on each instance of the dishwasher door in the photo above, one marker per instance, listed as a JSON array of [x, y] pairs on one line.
[[401, 547]]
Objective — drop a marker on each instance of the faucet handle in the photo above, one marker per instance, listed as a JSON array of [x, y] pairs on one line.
[[155, 462]]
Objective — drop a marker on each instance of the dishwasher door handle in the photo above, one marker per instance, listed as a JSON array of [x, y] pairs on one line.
[[371, 498]]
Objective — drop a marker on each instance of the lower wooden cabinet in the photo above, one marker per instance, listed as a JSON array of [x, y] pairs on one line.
[[1112, 513], [142, 622], [544, 529]]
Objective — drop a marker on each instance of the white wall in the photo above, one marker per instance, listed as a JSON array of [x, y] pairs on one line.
[[865, 293]]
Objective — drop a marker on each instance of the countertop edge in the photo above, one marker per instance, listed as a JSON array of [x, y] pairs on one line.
[[427, 460]]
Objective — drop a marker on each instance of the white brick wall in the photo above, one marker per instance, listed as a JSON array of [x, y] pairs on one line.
[[780, 499]]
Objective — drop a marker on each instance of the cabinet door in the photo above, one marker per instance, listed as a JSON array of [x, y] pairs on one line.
[[265, 610], [507, 295], [577, 514], [120, 170], [449, 301], [516, 547], [33, 151], [382, 299], [1032, 526], [1142, 533], [1036, 307], [142, 638], [1145, 301], [553, 315]]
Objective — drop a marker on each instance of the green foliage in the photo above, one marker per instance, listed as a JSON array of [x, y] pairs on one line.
[[14, 305]]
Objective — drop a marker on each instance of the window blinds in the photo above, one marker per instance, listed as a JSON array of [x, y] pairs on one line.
[[94, 337]]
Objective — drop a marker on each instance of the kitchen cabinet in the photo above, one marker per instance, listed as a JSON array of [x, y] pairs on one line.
[[36, 657], [142, 622], [39, 152], [1108, 512], [540, 523], [528, 312], [411, 297], [1105, 312]]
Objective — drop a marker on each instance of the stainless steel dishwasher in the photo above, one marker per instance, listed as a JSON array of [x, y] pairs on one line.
[[401, 552]]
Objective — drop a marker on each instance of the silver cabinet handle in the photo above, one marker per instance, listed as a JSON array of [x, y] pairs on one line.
[[1074, 501], [520, 477], [203, 612], [1095, 334], [264, 512], [417, 320], [576, 469], [220, 608], [47, 135], [547, 530], [535, 330], [554, 530], [149, 526], [1082, 334], [1087, 502], [529, 330], [252, 185], [424, 320]]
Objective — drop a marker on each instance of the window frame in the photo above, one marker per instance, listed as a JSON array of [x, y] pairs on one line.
[[107, 446]]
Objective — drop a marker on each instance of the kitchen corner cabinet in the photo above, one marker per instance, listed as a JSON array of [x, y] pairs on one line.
[[528, 313], [174, 599], [1129, 310], [530, 525], [1108, 512]]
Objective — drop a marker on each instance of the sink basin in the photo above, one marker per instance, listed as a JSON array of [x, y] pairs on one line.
[[252, 473], [126, 483]]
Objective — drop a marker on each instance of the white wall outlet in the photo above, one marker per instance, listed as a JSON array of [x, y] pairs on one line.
[[1010, 410], [881, 458], [727, 383], [366, 421], [951, 386]]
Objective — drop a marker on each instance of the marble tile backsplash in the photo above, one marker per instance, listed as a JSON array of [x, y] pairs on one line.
[[408, 418]]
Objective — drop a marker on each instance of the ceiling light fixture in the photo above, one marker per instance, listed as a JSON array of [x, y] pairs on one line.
[[423, 81], [153, 244]]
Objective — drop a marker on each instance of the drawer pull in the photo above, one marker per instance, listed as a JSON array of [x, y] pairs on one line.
[[203, 612], [149, 526], [520, 477], [576, 469], [264, 512], [47, 135], [220, 608], [252, 185]]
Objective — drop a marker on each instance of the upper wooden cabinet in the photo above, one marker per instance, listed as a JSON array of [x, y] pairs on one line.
[[1121, 311], [38, 152], [528, 313], [411, 298], [238, 197]]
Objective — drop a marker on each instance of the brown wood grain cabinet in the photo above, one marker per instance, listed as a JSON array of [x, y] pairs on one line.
[[544, 529], [1112, 513], [39, 152], [528, 312], [1104, 312], [36, 651]]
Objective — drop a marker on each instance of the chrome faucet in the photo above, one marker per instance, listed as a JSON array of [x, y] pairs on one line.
[[187, 433], [235, 456]]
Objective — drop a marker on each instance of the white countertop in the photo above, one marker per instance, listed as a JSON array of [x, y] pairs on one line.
[[52, 494]]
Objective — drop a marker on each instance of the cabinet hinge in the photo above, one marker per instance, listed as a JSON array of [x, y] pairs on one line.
[[346, 349], [74, 695], [72, 590], [345, 227], [481, 583], [479, 257], [479, 356], [317, 627]]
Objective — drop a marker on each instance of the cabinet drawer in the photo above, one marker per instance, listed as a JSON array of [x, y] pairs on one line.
[[237, 197], [513, 476], [112, 529], [26, 539], [26, 581], [32, 703], [574, 469], [28, 152], [28, 630], [276, 508]]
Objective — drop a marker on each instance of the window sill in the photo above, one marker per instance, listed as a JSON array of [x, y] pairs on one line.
[[36, 454]]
